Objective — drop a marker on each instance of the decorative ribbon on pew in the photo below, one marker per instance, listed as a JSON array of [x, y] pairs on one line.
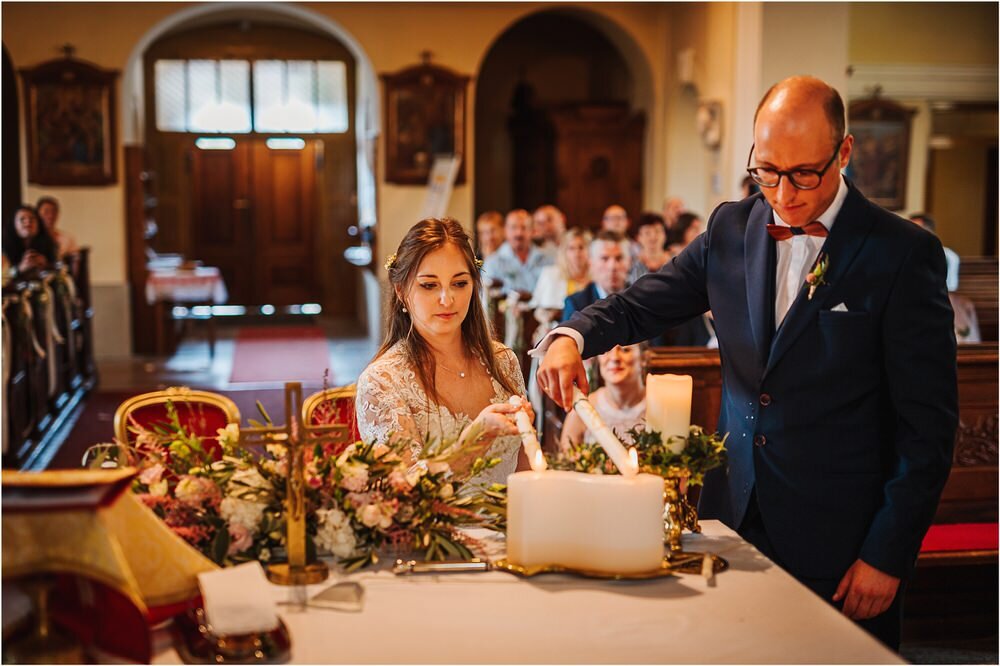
[[52, 336], [68, 301], [28, 321], [512, 336]]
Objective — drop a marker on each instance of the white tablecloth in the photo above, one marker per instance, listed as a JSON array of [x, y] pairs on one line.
[[203, 284], [755, 613]]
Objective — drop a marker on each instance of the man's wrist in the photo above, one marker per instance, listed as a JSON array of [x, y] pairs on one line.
[[559, 331]]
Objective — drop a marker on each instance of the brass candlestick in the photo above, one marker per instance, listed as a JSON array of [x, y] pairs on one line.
[[295, 436]]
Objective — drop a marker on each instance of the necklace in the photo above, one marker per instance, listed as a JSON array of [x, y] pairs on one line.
[[461, 375]]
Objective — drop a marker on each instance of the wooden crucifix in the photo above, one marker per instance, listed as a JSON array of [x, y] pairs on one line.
[[295, 436]]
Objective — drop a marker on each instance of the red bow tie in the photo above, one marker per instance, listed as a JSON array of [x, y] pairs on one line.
[[780, 233]]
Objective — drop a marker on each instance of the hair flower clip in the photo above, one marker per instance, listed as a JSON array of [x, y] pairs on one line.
[[390, 261], [479, 264]]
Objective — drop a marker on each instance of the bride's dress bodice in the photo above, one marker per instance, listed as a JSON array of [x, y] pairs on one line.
[[391, 401]]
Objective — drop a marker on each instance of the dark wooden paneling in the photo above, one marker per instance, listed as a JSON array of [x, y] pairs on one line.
[[977, 281]]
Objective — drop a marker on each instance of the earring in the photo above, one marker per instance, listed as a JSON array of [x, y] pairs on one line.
[[404, 309]]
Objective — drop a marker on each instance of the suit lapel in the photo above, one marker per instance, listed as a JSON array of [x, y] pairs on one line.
[[759, 259], [842, 245]]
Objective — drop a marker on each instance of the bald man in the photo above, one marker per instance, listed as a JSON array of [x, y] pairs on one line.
[[840, 395]]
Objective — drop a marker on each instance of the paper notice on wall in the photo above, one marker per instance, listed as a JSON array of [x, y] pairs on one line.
[[440, 184]]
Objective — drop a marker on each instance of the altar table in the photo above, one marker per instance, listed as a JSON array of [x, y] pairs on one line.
[[202, 285], [754, 613]]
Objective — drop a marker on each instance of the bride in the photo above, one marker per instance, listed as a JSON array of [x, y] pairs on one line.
[[439, 375]]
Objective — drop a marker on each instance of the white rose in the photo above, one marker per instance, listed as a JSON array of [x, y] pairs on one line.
[[242, 512], [230, 435], [158, 489], [370, 515], [335, 534]]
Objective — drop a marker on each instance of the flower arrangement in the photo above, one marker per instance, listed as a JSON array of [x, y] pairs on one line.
[[362, 499], [700, 453]]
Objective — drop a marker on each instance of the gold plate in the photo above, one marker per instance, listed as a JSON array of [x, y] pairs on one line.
[[666, 569]]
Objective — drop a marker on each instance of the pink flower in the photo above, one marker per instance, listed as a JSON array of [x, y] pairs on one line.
[[399, 482], [196, 491], [240, 538], [378, 514], [151, 475], [355, 477]]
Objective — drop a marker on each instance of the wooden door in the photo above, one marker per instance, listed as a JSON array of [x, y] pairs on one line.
[[220, 216], [598, 161], [253, 212], [283, 208]]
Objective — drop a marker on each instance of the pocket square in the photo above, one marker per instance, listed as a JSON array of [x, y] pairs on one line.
[[839, 308]]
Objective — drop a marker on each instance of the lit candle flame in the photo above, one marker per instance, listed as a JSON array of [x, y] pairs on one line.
[[633, 458], [539, 464]]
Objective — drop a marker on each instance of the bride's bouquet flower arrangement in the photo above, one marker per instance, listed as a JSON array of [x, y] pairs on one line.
[[701, 452], [363, 499]]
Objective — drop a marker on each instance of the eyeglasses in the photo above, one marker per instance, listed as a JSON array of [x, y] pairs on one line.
[[802, 179]]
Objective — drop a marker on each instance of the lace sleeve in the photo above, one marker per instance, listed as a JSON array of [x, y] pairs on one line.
[[509, 366], [383, 411]]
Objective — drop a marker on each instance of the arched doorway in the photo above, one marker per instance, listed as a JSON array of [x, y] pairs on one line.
[[362, 289], [559, 119]]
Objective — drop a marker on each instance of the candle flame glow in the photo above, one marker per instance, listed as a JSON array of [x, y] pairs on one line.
[[539, 464], [633, 458]]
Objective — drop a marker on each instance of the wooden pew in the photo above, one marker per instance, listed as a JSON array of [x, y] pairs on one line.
[[977, 281]]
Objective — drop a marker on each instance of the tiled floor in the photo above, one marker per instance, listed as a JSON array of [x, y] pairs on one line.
[[350, 352]]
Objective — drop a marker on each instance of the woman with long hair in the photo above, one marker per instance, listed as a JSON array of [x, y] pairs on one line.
[[439, 375], [26, 244]]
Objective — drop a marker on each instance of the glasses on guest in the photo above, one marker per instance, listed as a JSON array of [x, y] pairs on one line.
[[802, 179]]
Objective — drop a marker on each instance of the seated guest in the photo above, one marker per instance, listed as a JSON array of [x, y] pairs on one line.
[[439, 375], [651, 234], [517, 263], [966, 321], [672, 209], [489, 232], [616, 219], [621, 401], [570, 272], [48, 211], [26, 244], [609, 265], [550, 225], [748, 187], [685, 229]]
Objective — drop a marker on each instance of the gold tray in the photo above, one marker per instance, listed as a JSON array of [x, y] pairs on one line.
[[684, 562]]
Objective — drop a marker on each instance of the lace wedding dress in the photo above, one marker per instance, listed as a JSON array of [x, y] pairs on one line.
[[391, 401]]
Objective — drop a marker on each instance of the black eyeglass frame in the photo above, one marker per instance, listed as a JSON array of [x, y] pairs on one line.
[[819, 173]]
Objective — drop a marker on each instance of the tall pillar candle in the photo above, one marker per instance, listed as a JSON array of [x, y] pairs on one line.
[[594, 522], [668, 407]]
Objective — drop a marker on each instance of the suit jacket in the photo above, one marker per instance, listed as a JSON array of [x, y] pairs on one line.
[[844, 422], [588, 296]]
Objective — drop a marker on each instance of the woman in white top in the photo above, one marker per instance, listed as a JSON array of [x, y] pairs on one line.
[[439, 375], [569, 274], [621, 402]]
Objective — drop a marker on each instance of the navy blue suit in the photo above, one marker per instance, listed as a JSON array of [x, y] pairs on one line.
[[841, 424]]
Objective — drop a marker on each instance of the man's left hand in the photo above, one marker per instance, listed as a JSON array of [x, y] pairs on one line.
[[866, 591]]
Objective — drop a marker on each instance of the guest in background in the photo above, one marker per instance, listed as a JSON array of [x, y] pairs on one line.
[[48, 211], [26, 243], [966, 321], [616, 219], [610, 261], [517, 263], [621, 401], [950, 256], [672, 208], [685, 229], [570, 272], [651, 235], [748, 188], [439, 375], [550, 226], [489, 232]]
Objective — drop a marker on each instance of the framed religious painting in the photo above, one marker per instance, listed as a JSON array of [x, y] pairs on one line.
[[70, 121], [881, 130], [424, 118]]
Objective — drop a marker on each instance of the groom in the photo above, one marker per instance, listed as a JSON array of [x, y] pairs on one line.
[[840, 395]]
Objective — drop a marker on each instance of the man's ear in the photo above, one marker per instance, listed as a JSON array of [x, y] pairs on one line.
[[845, 151]]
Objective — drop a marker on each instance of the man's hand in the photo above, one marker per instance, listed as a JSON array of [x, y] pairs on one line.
[[866, 591], [560, 368]]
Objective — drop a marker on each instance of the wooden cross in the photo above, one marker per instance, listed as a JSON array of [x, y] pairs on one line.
[[295, 436]]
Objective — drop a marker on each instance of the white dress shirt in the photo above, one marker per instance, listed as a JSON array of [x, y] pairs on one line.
[[797, 255]]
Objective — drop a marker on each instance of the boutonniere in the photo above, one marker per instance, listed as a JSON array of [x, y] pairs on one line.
[[817, 274]]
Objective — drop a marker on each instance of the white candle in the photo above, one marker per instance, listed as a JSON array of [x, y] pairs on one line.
[[668, 408], [594, 522], [603, 434], [529, 438]]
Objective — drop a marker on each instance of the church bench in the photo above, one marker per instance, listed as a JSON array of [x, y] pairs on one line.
[[978, 281]]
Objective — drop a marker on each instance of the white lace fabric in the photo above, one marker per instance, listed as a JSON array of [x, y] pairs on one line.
[[390, 401]]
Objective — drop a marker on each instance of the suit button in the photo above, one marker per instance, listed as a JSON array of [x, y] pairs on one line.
[[759, 440], [765, 399]]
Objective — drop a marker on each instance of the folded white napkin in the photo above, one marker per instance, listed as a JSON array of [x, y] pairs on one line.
[[238, 600], [839, 308]]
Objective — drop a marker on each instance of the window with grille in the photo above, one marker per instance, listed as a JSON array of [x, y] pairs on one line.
[[242, 96]]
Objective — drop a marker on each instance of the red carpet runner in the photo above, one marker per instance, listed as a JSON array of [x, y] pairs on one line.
[[280, 353]]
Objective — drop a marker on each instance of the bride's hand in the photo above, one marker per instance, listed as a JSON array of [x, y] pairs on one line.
[[497, 420]]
